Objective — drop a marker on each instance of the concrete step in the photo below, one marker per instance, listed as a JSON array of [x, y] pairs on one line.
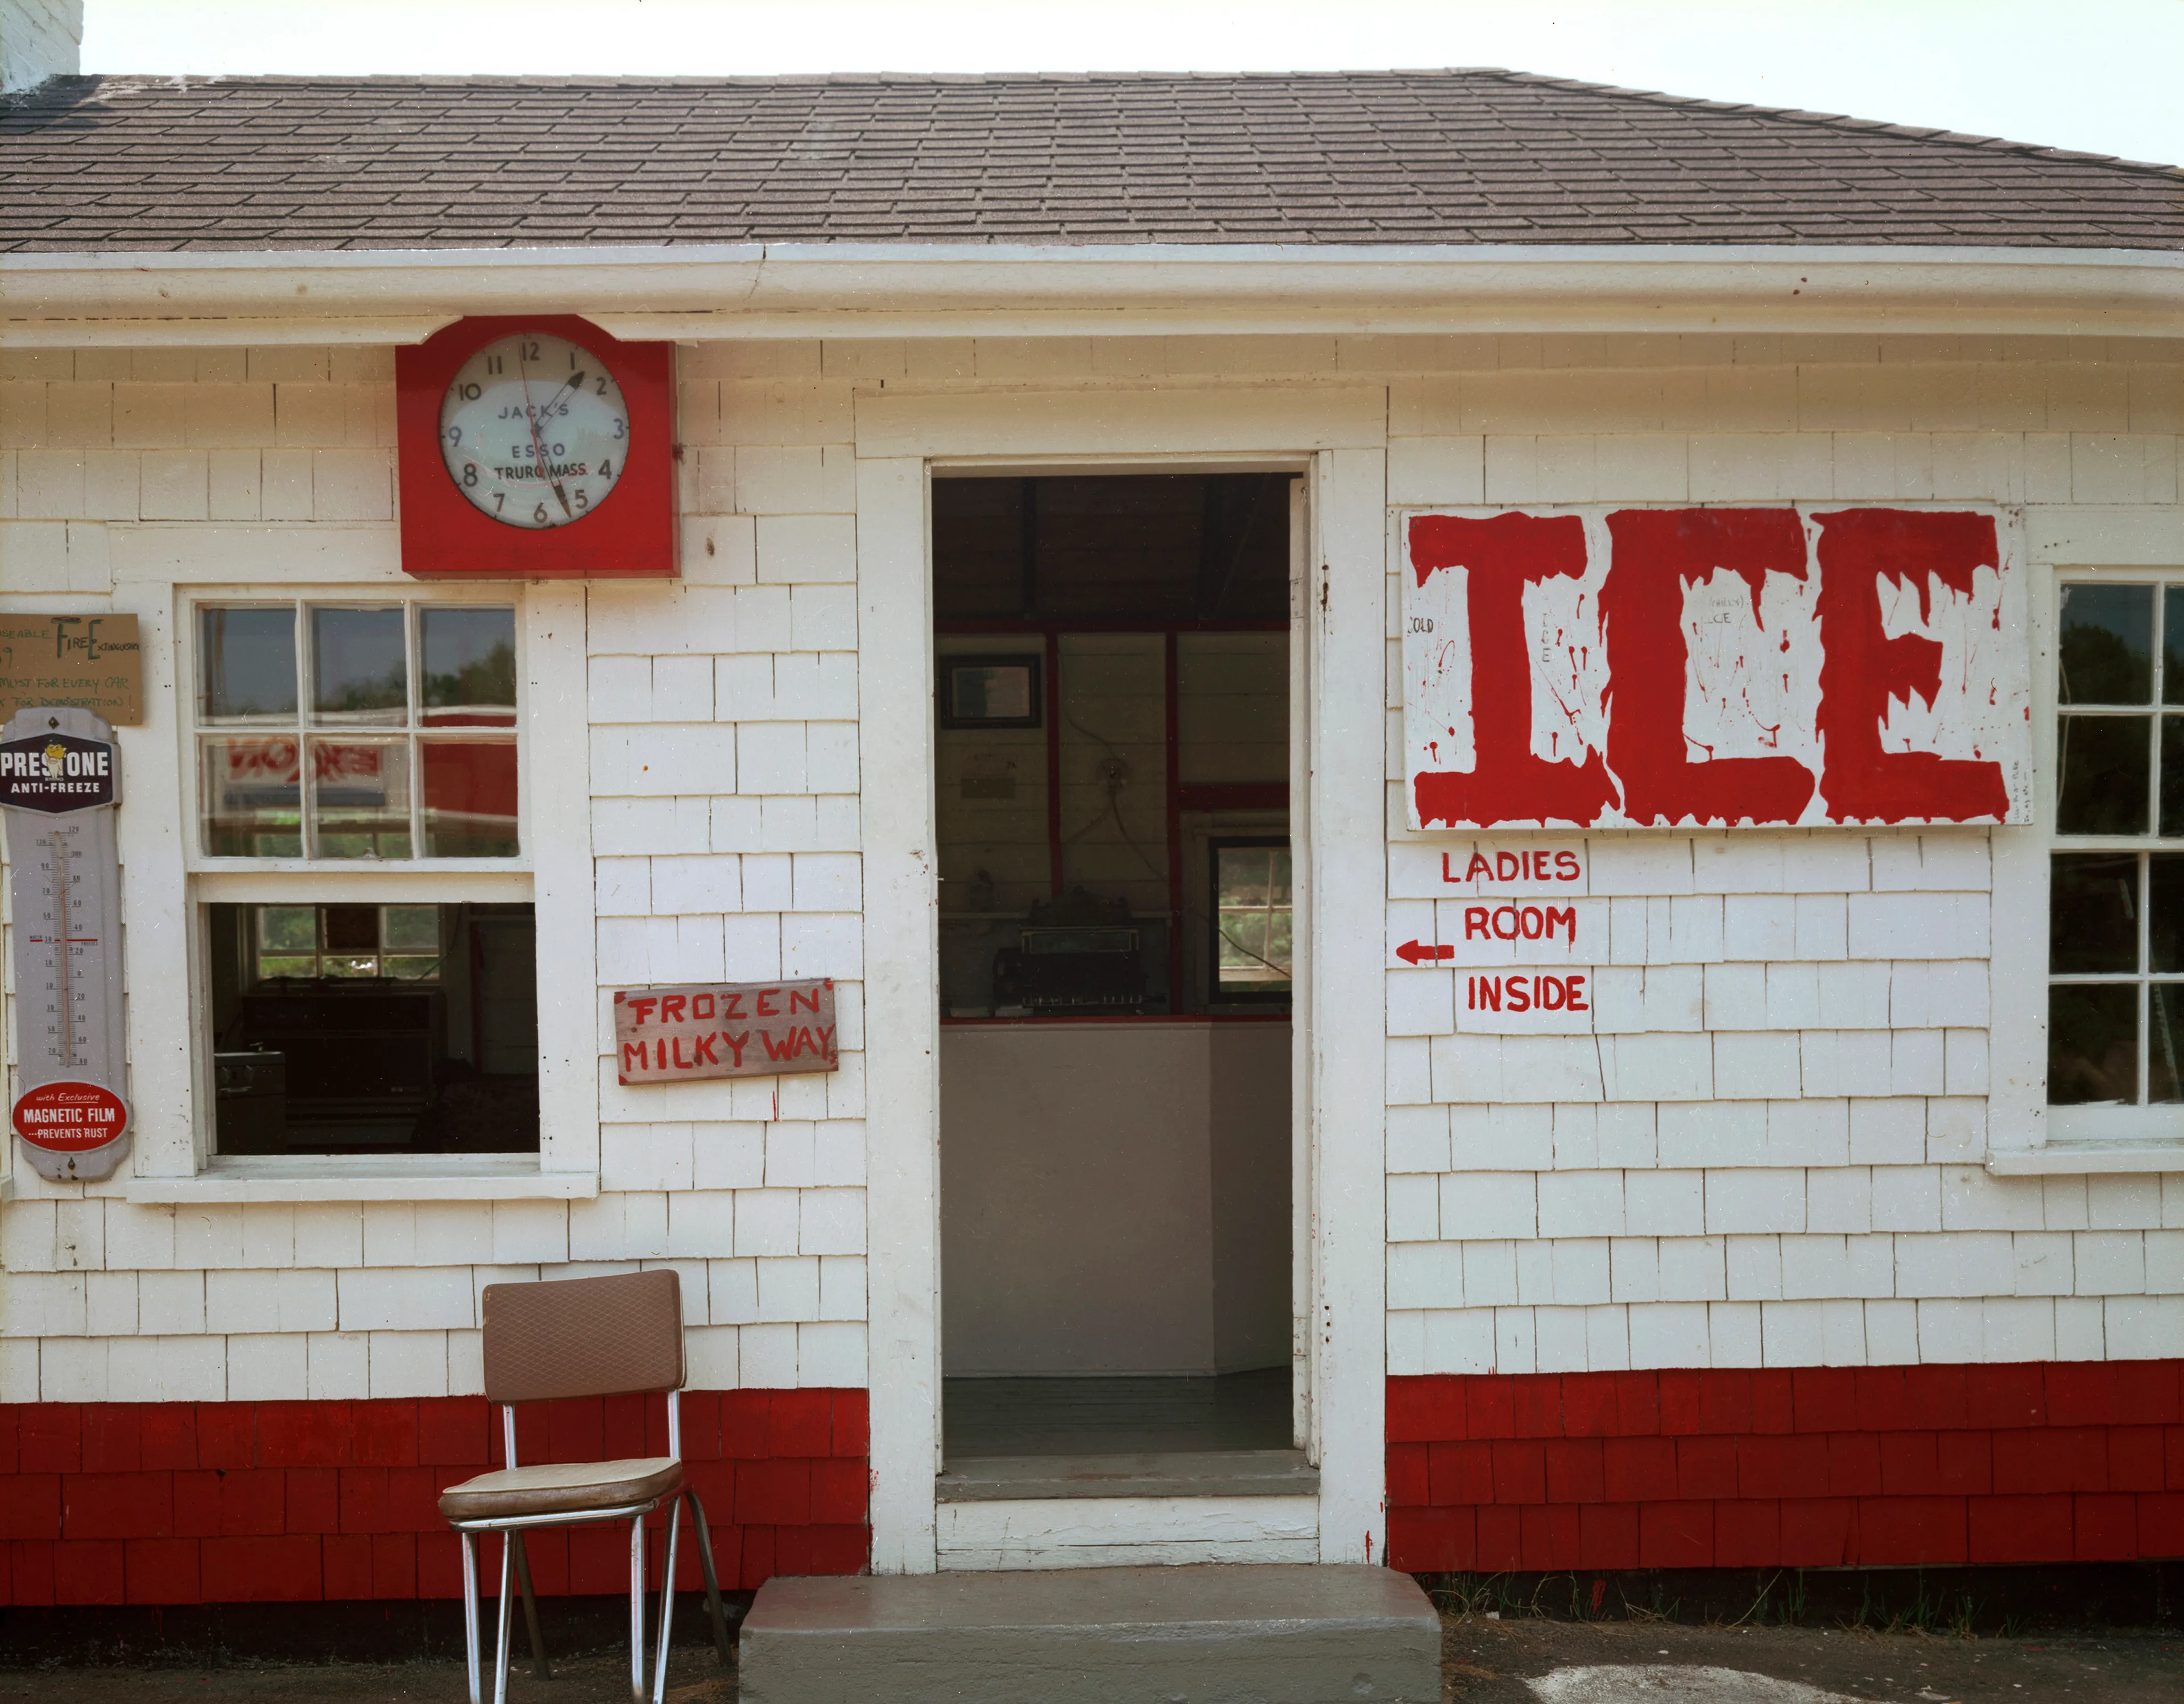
[[1220, 1635], [1154, 1474]]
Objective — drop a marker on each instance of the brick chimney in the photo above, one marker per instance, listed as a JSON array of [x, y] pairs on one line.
[[39, 39]]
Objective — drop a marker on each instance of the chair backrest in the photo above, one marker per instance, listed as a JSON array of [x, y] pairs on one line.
[[583, 1337]]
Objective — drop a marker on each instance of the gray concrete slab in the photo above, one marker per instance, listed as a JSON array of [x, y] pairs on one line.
[[1155, 1474], [1268, 1635]]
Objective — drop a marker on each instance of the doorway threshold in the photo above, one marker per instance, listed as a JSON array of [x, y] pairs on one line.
[[1147, 1473]]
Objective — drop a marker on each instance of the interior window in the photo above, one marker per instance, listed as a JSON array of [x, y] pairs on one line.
[[368, 1028]]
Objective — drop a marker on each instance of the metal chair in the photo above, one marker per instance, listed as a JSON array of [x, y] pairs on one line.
[[573, 1338]]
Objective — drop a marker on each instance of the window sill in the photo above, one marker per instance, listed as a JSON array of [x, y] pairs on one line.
[[2066, 1158], [370, 1177]]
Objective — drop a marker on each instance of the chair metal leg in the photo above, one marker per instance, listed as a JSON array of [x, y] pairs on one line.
[[636, 1609], [666, 1604], [507, 1615], [470, 1612], [712, 1582], [539, 1663]]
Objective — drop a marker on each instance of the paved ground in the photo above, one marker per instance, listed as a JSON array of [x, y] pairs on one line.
[[1509, 1662], [1484, 1662]]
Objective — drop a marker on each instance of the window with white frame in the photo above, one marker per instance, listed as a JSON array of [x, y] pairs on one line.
[[340, 739], [2115, 957]]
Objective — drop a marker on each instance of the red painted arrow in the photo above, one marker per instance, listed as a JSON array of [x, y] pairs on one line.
[[1416, 952]]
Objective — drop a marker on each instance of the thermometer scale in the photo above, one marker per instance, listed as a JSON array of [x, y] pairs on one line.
[[59, 780]]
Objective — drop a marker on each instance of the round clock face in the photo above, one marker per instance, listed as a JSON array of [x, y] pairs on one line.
[[534, 430]]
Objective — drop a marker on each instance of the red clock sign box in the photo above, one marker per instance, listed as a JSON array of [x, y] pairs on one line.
[[1739, 667], [630, 535]]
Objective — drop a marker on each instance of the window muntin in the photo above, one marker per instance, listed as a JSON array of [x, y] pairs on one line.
[[2115, 995], [348, 730]]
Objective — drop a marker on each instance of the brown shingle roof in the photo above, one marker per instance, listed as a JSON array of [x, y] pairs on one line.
[[1396, 157]]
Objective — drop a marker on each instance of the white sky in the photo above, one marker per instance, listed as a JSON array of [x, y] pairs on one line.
[[2103, 75]]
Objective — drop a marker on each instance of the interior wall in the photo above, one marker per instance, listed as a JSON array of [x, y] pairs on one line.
[[1115, 1197]]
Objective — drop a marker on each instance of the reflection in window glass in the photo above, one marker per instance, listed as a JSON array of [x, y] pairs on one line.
[[467, 673], [2102, 774], [2106, 653], [2092, 913], [470, 798], [2092, 1043], [246, 665], [359, 667], [251, 801], [282, 793], [361, 797], [1254, 919]]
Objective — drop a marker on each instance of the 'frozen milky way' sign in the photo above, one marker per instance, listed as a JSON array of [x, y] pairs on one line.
[[1658, 667]]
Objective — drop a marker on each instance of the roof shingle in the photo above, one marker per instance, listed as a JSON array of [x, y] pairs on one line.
[[1395, 157]]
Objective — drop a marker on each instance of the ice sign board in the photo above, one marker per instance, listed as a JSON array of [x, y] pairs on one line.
[[1646, 668], [59, 781]]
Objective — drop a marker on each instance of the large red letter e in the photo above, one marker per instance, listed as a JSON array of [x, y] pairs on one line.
[[1861, 668]]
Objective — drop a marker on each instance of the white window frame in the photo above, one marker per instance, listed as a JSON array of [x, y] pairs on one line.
[[2026, 1136], [553, 872]]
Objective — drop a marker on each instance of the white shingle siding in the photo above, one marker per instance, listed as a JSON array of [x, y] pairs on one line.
[[1770, 1154], [1823, 1119]]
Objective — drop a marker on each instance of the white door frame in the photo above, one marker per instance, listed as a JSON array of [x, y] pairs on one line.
[[1339, 436]]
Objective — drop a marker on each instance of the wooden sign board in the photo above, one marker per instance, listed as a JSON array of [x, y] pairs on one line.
[[91, 662], [1682, 667], [724, 1029]]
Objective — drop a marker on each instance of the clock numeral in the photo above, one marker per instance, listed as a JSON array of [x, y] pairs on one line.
[[618, 425], [470, 393], [454, 434], [584, 499], [606, 470], [603, 384], [539, 514], [499, 498], [572, 362], [470, 473], [530, 352], [493, 364]]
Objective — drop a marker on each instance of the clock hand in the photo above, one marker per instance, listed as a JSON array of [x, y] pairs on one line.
[[537, 449]]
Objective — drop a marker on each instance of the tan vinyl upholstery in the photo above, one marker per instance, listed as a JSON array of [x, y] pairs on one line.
[[562, 1488], [583, 1337]]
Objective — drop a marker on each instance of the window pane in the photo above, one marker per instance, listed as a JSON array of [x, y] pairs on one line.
[[1243, 942], [246, 665], [2164, 1052], [1244, 871], [251, 806], [361, 797], [1282, 876], [411, 928], [288, 928], [467, 672], [2092, 1043], [2172, 772], [2102, 774], [470, 798], [2165, 906], [359, 674], [2107, 645], [2092, 913], [351, 928]]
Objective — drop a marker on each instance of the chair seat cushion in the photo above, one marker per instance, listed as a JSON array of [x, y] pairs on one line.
[[562, 1488]]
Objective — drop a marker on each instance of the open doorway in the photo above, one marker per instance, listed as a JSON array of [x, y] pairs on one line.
[[1117, 939]]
